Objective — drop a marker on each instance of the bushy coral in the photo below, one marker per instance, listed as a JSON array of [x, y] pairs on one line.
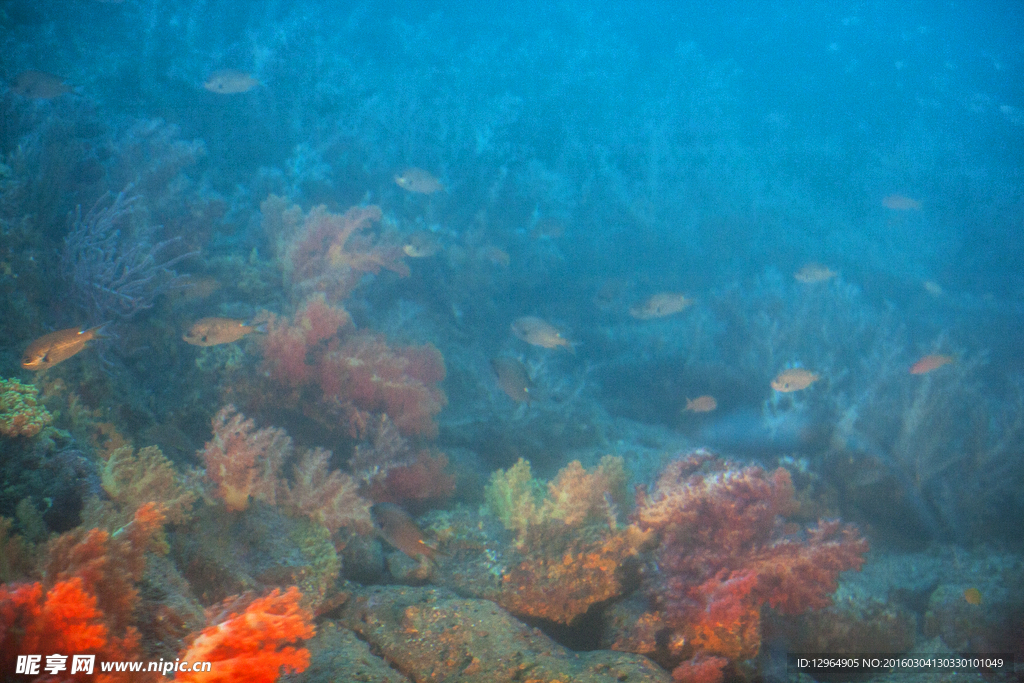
[[723, 553], [355, 373], [255, 645], [63, 618], [330, 497], [327, 252], [109, 564], [132, 479], [570, 549], [242, 461], [21, 413]]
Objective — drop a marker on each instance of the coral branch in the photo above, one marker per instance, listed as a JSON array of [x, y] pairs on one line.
[[244, 462], [254, 646]]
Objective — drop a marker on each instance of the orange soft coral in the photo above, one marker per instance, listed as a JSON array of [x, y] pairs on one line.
[[242, 461], [255, 645], [63, 619], [108, 565]]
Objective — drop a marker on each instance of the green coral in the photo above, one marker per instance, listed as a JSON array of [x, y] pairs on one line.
[[21, 413], [575, 498]]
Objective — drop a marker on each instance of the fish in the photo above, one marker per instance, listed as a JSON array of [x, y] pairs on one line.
[[214, 331], [512, 378], [547, 229], [230, 82], [57, 347], [814, 272], [933, 288], [660, 305], [794, 379], [701, 404], [930, 362], [972, 596], [39, 85], [898, 202], [495, 255], [419, 181], [537, 332], [421, 245], [396, 527]]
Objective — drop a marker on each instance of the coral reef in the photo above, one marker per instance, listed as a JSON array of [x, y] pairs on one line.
[[62, 618], [570, 552], [244, 463], [254, 644], [326, 252], [112, 275], [132, 479], [21, 413], [355, 373], [724, 553]]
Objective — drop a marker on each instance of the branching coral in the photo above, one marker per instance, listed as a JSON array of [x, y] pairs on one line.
[[255, 645], [329, 497], [131, 479], [115, 275], [109, 565], [21, 413], [63, 618], [326, 252], [354, 373], [723, 553], [244, 462], [570, 548]]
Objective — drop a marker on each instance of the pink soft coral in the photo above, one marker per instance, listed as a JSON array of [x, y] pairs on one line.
[[243, 461], [255, 645]]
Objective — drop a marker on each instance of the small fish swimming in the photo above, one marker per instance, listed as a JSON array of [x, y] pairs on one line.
[[214, 331], [547, 228], [537, 332], [794, 379], [933, 288], [898, 202], [512, 378], [39, 85], [930, 362], [495, 255], [56, 347], [660, 305], [417, 180], [397, 528], [814, 272], [230, 82], [421, 245], [701, 404], [972, 596]]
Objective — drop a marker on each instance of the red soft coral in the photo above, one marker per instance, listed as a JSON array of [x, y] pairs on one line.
[[255, 645], [292, 350], [723, 553], [400, 382]]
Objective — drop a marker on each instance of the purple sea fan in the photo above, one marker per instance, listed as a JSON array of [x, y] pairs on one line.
[[114, 275]]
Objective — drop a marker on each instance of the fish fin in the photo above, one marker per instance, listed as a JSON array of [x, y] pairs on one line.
[[97, 331]]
